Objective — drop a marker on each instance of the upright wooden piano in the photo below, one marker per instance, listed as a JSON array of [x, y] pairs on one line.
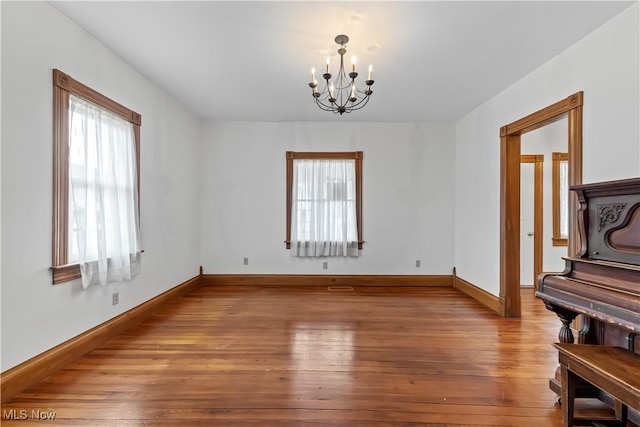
[[602, 282]]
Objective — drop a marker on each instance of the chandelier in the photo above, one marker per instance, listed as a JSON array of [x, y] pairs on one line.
[[342, 94]]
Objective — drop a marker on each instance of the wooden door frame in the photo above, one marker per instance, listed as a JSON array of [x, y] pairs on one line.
[[538, 161], [510, 191]]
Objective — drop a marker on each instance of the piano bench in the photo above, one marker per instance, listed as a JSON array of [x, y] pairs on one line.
[[613, 370]]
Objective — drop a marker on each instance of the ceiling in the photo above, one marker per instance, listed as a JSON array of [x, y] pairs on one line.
[[251, 61]]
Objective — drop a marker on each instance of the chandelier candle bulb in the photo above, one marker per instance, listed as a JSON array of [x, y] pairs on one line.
[[328, 63], [313, 75], [353, 64], [370, 70]]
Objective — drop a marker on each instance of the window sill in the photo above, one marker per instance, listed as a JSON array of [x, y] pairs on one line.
[[65, 273], [288, 244], [556, 241]]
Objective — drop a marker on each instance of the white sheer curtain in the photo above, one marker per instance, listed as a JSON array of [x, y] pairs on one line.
[[564, 199], [103, 197], [323, 211]]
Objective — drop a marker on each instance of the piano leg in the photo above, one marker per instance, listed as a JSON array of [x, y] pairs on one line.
[[566, 317], [564, 336]]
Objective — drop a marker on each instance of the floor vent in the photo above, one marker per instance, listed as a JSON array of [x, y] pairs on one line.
[[340, 288]]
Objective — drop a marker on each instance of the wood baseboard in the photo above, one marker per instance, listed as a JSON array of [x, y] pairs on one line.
[[325, 280], [478, 294], [34, 370]]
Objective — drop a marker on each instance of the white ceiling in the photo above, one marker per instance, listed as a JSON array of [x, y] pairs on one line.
[[241, 60]]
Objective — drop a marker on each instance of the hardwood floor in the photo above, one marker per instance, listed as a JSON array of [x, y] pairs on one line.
[[284, 356]]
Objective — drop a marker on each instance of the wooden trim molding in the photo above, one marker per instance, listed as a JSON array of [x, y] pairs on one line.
[[483, 297], [34, 370], [60, 174], [65, 273], [324, 280], [510, 227], [544, 116], [324, 155], [575, 174], [510, 146], [69, 84], [356, 155], [559, 241]]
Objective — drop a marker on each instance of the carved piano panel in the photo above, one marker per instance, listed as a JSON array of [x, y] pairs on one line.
[[613, 232]]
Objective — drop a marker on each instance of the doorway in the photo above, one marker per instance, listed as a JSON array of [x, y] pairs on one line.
[[531, 223], [510, 151]]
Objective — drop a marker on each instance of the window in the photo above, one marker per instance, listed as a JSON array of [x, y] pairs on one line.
[[324, 203], [96, 148], [560, 194]]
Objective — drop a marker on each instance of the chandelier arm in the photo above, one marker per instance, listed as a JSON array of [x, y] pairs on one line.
[[358, 105], [324, 106], [363, 91], [325, 109], [323, 96], [349, 106], [361, 100], [361, 104]]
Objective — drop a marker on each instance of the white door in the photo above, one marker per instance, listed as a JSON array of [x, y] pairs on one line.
[[527, 174]]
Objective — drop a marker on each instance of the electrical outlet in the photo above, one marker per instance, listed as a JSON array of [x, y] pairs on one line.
[[245, 261], [417, 263], [115, 298], [325, 265]]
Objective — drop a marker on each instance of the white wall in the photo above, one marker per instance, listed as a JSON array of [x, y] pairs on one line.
[[37, 315], [605, 66], [407, 196]]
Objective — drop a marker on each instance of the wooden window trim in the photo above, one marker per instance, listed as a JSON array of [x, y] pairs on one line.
[[557, 158], [355, 155], [63, 85]]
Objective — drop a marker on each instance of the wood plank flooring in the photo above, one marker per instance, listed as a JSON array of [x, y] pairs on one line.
[[285, 356]]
